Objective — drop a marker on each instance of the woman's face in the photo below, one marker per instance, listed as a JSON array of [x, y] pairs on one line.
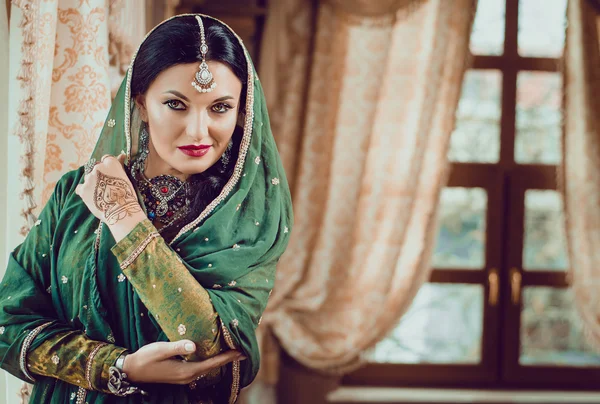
[[189, 130]]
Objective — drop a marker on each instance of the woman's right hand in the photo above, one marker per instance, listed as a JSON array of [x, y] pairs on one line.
[[156, 363]]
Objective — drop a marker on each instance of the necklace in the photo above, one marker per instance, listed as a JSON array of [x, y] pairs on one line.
[[165, 196]]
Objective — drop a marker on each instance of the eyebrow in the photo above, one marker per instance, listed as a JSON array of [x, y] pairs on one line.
[[178, 94], [183, 97]]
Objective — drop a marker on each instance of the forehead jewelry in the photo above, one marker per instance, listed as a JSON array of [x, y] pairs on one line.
[[203, 79]]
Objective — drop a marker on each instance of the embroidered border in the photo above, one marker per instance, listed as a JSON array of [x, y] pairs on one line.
[[81, 395], [136, 253], [25, 347], [88, 365], [235, 384]]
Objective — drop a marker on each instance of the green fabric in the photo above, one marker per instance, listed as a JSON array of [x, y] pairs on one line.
[[170, 292], [69, 353], [231, 250]]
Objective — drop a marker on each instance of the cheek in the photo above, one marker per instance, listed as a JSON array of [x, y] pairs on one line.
[[164, 126], [222, 130]]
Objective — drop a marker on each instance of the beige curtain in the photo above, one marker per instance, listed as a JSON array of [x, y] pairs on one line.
[[65, 91], [362, 109], [126, 30], [580, 177], [370, 8]]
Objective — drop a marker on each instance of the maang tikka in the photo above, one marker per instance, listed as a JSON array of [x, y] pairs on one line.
[[203, 80]]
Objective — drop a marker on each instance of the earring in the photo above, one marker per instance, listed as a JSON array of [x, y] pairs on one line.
[[144, 140], [140, 162], [225, 157]]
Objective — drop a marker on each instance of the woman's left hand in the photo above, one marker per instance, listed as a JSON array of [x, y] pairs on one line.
[[108, 192]]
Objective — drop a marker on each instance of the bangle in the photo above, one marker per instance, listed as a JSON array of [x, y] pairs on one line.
[[118, 384], [120, 361]]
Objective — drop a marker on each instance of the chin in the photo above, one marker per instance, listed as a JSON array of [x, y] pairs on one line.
[[191, 169]]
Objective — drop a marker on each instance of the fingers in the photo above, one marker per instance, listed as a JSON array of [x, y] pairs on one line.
[[168, 350], [216, 361], [106, 156], [113, 162], [109, 160], [157, 363]]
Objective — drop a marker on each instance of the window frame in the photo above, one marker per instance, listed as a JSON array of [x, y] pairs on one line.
[[506, 183]]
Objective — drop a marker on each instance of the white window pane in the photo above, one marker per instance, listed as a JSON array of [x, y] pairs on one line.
[[542, 27], [476, 138], [487, 37], [552, 331], [443, 325]]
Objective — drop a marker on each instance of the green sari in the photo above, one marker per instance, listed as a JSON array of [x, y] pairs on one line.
[[73, 300]]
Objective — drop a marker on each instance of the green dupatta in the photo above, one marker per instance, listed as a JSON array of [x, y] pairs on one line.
[[231, 248]]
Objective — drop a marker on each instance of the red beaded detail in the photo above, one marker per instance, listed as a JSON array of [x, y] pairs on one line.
[[164, 190]]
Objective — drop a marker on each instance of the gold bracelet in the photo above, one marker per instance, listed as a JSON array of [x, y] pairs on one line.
[[88, 365], [136, 253]]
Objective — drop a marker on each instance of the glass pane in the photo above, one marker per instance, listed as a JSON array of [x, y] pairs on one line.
[[539, 101], [443, 325], [487, 37], [551, 330], [545, 245], [476, 138], [542, 26], [462, 225]]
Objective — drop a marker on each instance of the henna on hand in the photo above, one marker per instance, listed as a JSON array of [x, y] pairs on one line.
[[115, 198]]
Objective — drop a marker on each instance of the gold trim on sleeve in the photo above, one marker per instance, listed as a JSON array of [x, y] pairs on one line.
[[235, 384], [88, 365], [136, 253], [25, 347]]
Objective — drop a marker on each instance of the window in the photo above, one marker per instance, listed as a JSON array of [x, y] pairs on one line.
[[497, 311]]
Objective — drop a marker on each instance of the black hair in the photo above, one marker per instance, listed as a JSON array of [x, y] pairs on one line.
[[177, 41]]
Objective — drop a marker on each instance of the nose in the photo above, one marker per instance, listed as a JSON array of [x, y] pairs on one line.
[[197, 127]]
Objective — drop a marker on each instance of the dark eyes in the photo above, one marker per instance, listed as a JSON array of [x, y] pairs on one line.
[[175, 104], [219, 108]]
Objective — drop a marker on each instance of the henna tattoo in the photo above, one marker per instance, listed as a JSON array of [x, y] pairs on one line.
[[115, 198]]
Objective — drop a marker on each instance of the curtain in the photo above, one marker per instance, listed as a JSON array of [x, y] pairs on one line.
[[368, 8], [64, 95], [362, 108], [65, 56], [4, 126], [580, 172]]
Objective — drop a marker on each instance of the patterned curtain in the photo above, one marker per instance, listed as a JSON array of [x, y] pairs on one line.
[[362, 108], [580, 172], [66, 55], [65, 84]]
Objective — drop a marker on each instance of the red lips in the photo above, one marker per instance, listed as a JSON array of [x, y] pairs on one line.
[[194, 147], [194, 151]]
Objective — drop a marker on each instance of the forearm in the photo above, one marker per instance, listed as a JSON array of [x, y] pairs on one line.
[[180, 305], [76, 359]]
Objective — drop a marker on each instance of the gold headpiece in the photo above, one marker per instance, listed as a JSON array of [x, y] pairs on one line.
[[203, 80]]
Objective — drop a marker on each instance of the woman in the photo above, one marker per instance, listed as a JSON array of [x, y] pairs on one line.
[[171, 232]]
